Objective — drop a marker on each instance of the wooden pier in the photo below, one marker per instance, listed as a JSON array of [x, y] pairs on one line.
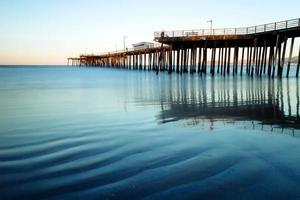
[[255, 51]]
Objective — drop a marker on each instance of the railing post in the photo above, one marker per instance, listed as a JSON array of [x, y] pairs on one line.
[[286, 24], [299, 22], [173, 33], [275, 25], [255, 29], [235, 31], [265, 28]]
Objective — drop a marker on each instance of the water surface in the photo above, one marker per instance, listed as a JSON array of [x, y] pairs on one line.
[[71, 133]]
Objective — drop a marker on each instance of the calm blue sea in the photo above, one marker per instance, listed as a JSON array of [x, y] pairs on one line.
[[91, 133]]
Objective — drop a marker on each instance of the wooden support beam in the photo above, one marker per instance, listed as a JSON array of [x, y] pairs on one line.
[[237, 59], [234, 61], [178, 60], [222, 60], [182, 60], [149, 61], [229, 59], [242, 61], [140, 61], [187, 60], [275, 54], [298, 65], [213, 60], [290, 57], [283, 56], [249, 56], [124, 61], [170, 61], [204, 63], [199, 60], [279, 63], [153, 61], [145, 58], [236, 49], [271, 53], [134, 61], [219, 60], [258, 60], [192, 61], [261, 61], [162, 61], [195, 59], [159, 58], [166, 60], [265, 57], [254, 57], [129, 62], [174, 60], [225, 60]]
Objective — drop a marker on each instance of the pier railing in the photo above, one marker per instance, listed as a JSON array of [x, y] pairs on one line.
[[157, 45], [293, 23]]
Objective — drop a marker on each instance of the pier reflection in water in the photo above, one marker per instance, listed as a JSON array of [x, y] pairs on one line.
[[267, 104]]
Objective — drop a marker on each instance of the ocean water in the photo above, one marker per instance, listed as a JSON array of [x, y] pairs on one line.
[[91, 133]]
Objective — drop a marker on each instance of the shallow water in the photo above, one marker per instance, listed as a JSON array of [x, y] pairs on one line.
[[69, 133]]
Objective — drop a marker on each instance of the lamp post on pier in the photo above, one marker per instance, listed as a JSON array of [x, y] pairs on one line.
[[211, 26], [124, 42]]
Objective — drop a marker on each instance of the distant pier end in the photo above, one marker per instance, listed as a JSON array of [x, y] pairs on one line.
[[255, 50]]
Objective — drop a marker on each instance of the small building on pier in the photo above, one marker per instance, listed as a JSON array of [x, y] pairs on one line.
[[143, 45]]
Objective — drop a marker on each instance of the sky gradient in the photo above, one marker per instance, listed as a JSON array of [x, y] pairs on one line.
[[49, 31]]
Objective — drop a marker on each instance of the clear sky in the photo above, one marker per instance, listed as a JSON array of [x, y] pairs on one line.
[[49, 31]]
